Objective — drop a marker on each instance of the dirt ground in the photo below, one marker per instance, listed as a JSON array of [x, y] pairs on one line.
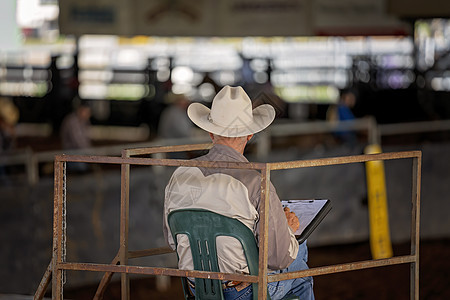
[[390, 282]]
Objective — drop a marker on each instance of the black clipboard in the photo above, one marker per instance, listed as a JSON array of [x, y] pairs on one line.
[[310, 213]]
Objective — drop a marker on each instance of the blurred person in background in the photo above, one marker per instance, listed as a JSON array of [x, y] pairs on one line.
[[173, 122], [9, 115], [343, 112], [74, 132]]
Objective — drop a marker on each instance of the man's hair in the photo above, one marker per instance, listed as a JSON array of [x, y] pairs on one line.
[[221, 137]]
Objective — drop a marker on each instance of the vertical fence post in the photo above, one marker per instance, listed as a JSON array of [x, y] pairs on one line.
[[57, 230], [124, 219], [415, 226], [373, 132], [263, 233]]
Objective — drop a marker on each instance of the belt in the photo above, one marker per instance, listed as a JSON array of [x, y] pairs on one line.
[[239, 285]]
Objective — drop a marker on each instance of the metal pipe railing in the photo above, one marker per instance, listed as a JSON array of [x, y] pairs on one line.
[[58, 264], [375, 132], [31, 160]]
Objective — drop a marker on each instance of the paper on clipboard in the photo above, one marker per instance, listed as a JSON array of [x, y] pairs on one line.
[[309, 212]]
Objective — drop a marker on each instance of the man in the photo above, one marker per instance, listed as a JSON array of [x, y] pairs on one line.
[[75, 127], [9, 115], [182, 128], [176, 110], [231, 123], [74, 133], [343, 112]]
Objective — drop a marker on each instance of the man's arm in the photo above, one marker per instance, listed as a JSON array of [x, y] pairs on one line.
[[166, 230], [283, 246]]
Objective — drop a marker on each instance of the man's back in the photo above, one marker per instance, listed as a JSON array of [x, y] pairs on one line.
[[234, 193]]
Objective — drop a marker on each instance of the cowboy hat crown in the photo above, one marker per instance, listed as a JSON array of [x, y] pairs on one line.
[[231, 114]]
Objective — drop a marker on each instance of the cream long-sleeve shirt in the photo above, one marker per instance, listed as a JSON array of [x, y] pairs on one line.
[[234, 193]]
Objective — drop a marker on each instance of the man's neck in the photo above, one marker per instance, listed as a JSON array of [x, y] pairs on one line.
[[236, 146], [237, 143]]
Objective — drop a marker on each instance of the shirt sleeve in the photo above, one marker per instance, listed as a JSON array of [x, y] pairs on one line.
[[166, 229], [283, 246]]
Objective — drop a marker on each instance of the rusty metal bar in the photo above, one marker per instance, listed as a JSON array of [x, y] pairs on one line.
[[131, 254], [124, 222], [343, 267], [415, 226], [45, 282], [105, 280], [263, 233], [57, 230], [240, 165], [161, 162], [150, 252], [414, 127], [164, 149], [155, 271], [341, 160], [318, 127]]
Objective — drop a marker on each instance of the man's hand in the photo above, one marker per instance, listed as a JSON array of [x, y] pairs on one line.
[[292, 219]]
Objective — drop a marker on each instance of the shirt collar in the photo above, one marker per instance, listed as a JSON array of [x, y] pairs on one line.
[[219, 149]]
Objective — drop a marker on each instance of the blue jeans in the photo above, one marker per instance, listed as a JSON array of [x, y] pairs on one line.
[[301, 287], [232, 294]]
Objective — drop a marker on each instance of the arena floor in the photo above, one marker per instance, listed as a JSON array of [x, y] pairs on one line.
[[379, 283]]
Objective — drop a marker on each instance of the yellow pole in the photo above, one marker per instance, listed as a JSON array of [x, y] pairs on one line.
[[380, 240]]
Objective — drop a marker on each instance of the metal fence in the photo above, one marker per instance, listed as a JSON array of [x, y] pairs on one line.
[[58, 265], [375, 132], [31, 160]]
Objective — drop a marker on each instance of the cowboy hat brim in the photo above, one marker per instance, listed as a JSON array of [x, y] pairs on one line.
[[263, 115]]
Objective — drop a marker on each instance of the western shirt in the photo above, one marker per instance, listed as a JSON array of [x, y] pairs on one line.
[[234, 193]]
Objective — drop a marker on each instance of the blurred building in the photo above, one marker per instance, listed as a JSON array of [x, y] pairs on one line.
[[124, 56]]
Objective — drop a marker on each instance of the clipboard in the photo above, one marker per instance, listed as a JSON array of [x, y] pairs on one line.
[[310, 213]]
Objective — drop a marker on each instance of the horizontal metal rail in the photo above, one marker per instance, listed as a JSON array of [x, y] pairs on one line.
[[32, 159], [413, 127], [353, 266], [154, 271], [360, 265], [150, 252], [160, 149], [342, 160], [315, 127], [239, 165], [142, 161]]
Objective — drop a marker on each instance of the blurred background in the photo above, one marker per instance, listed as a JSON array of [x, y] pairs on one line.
[[96, 77]]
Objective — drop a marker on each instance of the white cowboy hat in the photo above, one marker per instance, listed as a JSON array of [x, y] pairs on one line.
[[231, 114]]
